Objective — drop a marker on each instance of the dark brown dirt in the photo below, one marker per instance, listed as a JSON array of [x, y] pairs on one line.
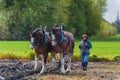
[[23, 70]]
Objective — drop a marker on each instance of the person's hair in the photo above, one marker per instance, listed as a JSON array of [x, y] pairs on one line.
[[84, 35]]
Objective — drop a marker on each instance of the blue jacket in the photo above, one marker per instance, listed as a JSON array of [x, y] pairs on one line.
[[85, 46]]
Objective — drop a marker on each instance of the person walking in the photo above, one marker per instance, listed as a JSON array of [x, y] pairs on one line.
[[85, 46]]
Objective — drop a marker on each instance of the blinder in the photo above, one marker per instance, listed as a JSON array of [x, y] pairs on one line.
[[39, 37], [59, 35]]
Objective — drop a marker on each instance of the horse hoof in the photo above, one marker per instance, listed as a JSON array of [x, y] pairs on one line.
[[63, 72], [68, 71], [37, 69], [41, 72]]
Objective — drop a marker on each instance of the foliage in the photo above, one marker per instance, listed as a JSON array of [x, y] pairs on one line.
[[117, 58], [77, 23], [117, 26], [106, 30], [94, 16], [22, 16], [95, 58], [16, 55], [19, 17]]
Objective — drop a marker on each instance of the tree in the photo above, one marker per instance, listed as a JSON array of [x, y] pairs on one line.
[[22, 16], [117, 26], [76, 22], [19, 17], [106, 30], [93, 12]]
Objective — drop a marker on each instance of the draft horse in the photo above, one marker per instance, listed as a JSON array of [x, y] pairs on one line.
[[41, 42], [63, 43]]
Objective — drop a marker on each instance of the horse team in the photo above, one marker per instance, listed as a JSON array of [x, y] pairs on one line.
[[56, 41]]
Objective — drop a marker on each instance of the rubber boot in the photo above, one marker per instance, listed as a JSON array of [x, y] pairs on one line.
[[82, 66], [85, 65]]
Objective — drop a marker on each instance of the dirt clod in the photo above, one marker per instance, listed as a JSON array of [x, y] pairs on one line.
[[24, 70]]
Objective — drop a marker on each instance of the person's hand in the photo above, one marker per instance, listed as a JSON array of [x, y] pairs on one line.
[[86, 45]]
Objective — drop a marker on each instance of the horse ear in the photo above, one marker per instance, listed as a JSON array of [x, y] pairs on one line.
[[51, 30], [30, 33], [40, 26], [61, 27], [45, 28]]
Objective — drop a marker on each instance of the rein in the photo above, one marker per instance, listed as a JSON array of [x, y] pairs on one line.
[[62, 39], [45, 39]]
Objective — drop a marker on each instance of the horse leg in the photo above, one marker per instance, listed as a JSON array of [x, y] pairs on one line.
[[62, 64], [45, 61], [43, 65], [69, 64], [37, 64], [54, 61]]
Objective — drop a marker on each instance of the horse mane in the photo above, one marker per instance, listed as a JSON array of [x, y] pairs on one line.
[[38, 29]]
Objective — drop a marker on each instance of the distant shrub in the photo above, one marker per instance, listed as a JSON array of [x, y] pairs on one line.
[[11, 55], [95, 58], [106, 30], [30, 55], [117, 58], [76, 58]]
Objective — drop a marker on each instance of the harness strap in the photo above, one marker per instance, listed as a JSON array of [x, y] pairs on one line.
[[45, 39], [62, 39]]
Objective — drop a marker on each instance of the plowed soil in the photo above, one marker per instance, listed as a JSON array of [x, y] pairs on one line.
[[24, 70]]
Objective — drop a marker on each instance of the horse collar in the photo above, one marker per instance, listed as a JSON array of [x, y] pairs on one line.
[[62, 39], [45, 39]]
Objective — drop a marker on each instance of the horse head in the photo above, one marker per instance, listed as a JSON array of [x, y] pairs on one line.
[[37, 36], [57, 34]]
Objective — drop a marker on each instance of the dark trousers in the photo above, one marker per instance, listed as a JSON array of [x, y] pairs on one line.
[[84, 59]]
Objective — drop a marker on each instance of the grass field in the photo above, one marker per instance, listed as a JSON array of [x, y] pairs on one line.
[[102, 47]]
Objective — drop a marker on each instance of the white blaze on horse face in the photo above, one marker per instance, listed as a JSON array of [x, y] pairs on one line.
[[32, 39], [53, 40]]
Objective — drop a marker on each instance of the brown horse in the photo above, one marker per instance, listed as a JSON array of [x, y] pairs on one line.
[[63, 43], [41, 43]]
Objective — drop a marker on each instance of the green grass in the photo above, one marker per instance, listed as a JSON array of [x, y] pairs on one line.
[[102, 47], [17, 46], [15, 50]]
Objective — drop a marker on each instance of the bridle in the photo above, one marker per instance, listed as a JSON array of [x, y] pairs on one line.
[[37, 39], [62, 36]]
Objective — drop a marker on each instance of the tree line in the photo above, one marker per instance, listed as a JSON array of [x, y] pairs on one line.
[[19, 17]]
